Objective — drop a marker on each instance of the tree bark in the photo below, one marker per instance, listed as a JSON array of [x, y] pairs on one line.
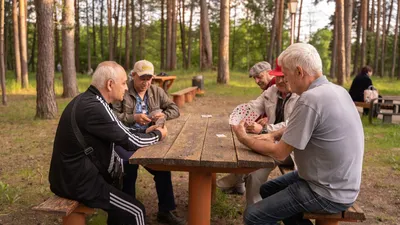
[[23, 44], [17, 51], [172, 66], [89, 55], [348, 22], [162, 39], [334, 50], [116, 19], [357, 44], [101, 30], [94, 27], [2, 65], [121, 19], [396, 36], [7, 33], [383, 52], [32, 58], [182, 27], [223, 67], [273, 31], [234, 38], [299, 26], [168, 35], [377, 47], [372, 19], [57, 37], [70, 87], [389, 18], [77, 37], [189, 53], [279, 32], [46, 106], [206, 49], [133, 34], [110, 34], [141, 39], [127, 40], [341, 53], [364, 5]]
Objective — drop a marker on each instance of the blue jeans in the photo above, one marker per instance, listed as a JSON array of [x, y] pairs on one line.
[[285, 199]]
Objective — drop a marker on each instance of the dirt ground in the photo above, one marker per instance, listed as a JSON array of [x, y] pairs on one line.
[[379, 196]]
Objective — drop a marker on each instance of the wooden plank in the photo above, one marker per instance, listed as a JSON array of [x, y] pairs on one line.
[[285, 169], [248, 158], [184, 91], [322, 216], [363, 104], [155, 154], [354, 213], [187, 148], [219, 151], [57, 205]]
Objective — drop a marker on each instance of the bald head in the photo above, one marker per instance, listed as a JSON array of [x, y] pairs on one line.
[[105, 71]]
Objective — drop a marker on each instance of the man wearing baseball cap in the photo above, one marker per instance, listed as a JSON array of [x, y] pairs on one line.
[[277, 102], [142, 106]]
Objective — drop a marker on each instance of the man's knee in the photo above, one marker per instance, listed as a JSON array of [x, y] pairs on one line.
[[250, 215]]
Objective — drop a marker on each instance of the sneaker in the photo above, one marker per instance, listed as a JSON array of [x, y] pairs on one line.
[[169, 218], [232, 184]]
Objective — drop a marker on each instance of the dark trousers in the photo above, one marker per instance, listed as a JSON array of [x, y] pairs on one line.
[[122, 209], [165, 192]]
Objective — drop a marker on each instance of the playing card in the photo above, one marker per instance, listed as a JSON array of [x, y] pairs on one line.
[[243, 112], [154, 112], [160, 122]]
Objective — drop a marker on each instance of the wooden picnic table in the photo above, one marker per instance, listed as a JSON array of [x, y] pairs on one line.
[[192, 145], [165, 82]]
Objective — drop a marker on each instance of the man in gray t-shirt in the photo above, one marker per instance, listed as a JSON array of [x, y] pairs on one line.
[[326, 134]]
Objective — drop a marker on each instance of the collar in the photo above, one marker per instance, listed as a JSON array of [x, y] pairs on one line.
[[318, 82], [96, 91]]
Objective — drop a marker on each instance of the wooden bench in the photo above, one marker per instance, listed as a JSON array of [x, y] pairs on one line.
[[385, 103], [184, 95], [72, 212], [352, 214]]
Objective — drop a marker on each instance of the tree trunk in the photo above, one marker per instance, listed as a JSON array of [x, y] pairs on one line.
[[101, 30], [389, 18], [77, 37], [110, 34], [133, 34], [120, 33], [364, 7], [341, 53], [370, 28], [377, 47], [334, 50], [17, 51], [357, 44], [172, 66], [68, 64], [223, 65], [2, 65], [94, 27], [46, 106], [169, 35], [348, 22], [189, 53], [162, 40], [141, 39], [32, 58], [299, 26], [205, 50], [117, 9], [7, 33], [396, 36], [57, 36], [234, 38], [273, 31], [182, 27], [89, 59], [372, 19], [382, 73], [23, 42], [127, 40], [279, 32]]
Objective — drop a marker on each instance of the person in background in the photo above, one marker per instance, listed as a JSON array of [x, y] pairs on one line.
[[360, 83], [143, 104]]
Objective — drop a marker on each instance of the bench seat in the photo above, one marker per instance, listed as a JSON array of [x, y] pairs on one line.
[[71, 211], [352, 214], [184, 95]]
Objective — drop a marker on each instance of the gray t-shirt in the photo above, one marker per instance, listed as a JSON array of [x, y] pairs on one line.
[[326, 131]]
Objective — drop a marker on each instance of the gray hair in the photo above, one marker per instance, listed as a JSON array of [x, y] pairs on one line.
[[105, 71], [302, 55]]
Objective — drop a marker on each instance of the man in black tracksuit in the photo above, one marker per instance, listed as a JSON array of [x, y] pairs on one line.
[[72, 174]]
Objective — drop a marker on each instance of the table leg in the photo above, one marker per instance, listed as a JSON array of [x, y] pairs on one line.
[[214, 187], [200, 198]]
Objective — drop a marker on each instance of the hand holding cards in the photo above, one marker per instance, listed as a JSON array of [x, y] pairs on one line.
[[243, 112]]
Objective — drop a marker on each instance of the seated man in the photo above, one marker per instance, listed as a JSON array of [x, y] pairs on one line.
[[327, 139], [86, 122], [277, 103], [141, 99], [234, 183]]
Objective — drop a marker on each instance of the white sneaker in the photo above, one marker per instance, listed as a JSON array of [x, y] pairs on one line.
[[232, 184]]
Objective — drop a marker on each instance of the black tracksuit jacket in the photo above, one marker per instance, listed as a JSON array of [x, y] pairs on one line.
[[72, 174]]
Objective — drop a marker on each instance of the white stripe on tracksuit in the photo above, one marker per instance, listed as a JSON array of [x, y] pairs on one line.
[[129, 207], [140, 142]]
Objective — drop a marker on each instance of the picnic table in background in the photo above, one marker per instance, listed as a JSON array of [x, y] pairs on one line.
[[201, 146], [165, 82]]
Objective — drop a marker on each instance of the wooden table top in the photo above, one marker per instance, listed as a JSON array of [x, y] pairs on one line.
[[192, 141], [164, 78]]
